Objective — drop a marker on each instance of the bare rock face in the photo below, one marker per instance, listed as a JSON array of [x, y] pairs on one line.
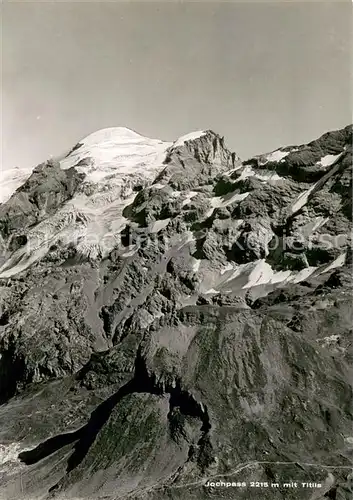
[[42, 194], [172, 318]]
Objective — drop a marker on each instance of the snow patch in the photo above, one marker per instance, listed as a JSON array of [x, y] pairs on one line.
[[302, 199], [209, 213], [158, 225], [303, 274], [263, 175], [223, 201], [196, 265], [230, 172], [229, 267], [246, 172], [261, 273], [268, 176], [9, 454], [319, 222], [276, 156], [188, 137], [328, 160], [339, 262], [130, 253], [21, 260], [190, 195], [176, 194], [10, 180]]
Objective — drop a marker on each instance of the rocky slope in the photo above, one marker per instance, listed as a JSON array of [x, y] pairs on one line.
[[171, 315]]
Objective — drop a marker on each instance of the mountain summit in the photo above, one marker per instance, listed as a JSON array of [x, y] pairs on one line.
[[172, 317]]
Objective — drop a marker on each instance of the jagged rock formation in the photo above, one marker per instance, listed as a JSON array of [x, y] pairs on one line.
[[171, 315]]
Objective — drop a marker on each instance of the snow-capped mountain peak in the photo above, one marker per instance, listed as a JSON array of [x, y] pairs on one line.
[[113, 134], [113, 162], [80, 201], [116, 150]]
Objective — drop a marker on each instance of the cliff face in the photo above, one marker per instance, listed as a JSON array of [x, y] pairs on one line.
[[171, 315]]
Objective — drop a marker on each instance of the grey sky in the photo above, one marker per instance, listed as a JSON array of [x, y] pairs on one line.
[[261, 74]]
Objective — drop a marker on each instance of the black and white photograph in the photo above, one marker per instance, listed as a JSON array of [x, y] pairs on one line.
[[176, 301]]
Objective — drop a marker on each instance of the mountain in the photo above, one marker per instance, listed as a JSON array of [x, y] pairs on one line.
[[172, 317]]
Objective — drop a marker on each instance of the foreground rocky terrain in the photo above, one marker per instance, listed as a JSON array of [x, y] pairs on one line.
[[172, 317]]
